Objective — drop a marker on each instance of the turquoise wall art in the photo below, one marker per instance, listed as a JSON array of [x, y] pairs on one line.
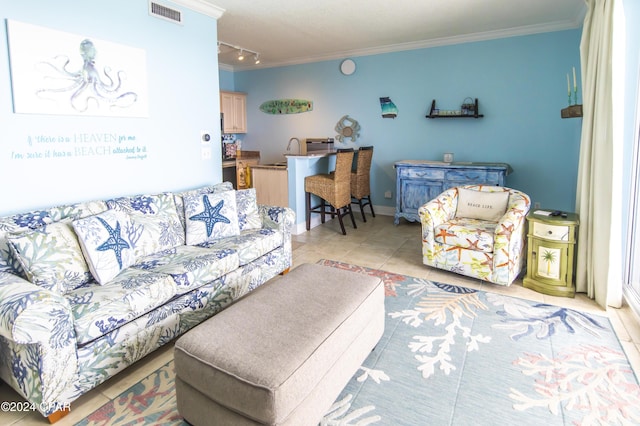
[[389, 109]]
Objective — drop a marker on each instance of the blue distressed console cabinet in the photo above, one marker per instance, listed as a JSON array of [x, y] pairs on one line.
[[418, 181]]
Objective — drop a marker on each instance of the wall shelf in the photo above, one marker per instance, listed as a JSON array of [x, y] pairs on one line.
[[435, 113], [572, 111]]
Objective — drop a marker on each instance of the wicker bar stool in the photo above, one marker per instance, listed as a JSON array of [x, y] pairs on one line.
[[332, 188], [360, 180]]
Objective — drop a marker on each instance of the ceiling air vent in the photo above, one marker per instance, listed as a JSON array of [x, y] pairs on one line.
[[164, 12]]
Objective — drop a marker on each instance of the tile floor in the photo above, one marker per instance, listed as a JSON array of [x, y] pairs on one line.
[[378, 243]]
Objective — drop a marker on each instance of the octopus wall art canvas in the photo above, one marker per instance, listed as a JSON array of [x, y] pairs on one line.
[[54, 72]]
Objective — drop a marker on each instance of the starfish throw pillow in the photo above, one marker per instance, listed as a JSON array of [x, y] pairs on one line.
[[210, 217], [106, 243]]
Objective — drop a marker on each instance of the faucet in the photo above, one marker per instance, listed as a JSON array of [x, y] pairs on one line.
[[289, 144]]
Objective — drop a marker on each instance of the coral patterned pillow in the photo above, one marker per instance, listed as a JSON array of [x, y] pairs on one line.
[[211, 217], [155, 219], [248, 215], [106, 244], [51, 257]]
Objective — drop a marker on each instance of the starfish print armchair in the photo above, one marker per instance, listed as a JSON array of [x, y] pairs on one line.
[[477, 231]]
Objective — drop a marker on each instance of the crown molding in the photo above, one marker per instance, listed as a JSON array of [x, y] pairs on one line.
[[202, 6], [423, 44]]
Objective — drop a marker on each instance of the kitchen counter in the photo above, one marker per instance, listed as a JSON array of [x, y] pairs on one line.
[[299, 167], [314, 154], [274, 166]]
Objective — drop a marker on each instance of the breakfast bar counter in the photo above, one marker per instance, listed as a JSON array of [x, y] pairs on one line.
[[299, 167]]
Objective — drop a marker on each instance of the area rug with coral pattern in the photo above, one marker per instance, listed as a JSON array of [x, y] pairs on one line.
[[452, 355]]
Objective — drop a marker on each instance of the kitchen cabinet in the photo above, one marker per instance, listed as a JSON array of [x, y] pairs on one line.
[[234, 107], [550, 254], [418, 181], [271, 184]]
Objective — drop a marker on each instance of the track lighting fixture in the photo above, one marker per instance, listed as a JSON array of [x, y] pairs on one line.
[[241, 51]]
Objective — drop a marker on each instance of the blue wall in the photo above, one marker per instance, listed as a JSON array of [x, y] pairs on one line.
[[226, 81], [520, 83], [182, 68]]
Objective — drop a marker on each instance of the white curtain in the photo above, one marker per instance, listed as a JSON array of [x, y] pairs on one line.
[[598, 259]]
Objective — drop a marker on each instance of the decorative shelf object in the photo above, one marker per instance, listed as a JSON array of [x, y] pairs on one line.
[[468, 109], [572, 111]]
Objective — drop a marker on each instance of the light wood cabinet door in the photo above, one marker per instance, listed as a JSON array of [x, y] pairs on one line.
[[271, 186], [234, 107]]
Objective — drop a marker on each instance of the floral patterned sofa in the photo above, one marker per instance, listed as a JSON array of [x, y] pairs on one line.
[[88, 289], [482, 236]]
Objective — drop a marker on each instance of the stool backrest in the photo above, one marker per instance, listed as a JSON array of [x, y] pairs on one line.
[[344, 159], [360, 185]]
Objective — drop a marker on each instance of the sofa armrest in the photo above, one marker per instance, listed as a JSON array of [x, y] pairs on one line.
[[275, 217], [31, 314]]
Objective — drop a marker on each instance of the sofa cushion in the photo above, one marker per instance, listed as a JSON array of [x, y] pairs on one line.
[[155, 220], [247, 205], [250, 244], [106, 243], [210, 216], [483, 205], [191, 266], [474, 234], [51, 257], [99, 309]]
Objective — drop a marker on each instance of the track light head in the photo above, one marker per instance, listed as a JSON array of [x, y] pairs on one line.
[[241, 51]]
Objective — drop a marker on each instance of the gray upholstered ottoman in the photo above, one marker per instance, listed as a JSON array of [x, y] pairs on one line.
[[282, 354]]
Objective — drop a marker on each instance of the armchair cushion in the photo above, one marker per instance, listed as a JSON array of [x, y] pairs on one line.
[[481, 205], [473, 234]]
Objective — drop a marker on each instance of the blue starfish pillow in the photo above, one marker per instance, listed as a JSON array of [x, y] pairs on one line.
[[106, 243], [210, 217]]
